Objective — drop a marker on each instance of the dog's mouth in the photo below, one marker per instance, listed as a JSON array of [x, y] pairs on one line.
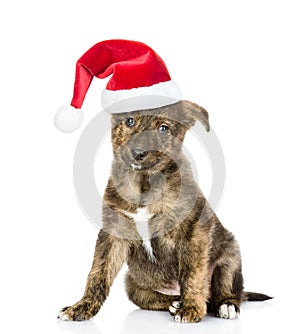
[[140, 160], [141, 167], [136, 167]]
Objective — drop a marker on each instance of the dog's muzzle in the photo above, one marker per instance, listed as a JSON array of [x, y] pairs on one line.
[[138, 154]]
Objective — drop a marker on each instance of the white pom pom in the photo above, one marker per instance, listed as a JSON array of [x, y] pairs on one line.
[[68, 119]]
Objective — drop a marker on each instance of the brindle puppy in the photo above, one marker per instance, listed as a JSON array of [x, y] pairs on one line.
[[155, 218]]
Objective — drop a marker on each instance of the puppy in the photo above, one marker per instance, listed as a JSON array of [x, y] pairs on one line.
[[155, 218]]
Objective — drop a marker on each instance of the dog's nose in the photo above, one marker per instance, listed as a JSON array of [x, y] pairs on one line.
[[139, 154]]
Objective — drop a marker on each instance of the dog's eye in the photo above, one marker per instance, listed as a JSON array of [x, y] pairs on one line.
[[163, 129], [130, 122]]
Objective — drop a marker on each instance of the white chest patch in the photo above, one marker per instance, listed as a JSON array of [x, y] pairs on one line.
[[141, 219]]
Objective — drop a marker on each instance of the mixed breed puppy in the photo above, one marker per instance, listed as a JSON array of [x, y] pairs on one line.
[[155, 218]]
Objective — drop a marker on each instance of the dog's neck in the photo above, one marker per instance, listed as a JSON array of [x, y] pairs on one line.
[[142, 188], [171, 193]]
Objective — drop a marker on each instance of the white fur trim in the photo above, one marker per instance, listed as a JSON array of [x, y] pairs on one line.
[[68, 119], [155, 96]]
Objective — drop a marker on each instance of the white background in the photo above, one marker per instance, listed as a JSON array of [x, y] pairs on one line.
[[238, 59]]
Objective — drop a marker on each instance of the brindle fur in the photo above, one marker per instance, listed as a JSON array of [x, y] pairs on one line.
[[189, 243]]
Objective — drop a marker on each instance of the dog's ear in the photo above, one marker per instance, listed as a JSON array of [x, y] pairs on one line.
[[197, 113]]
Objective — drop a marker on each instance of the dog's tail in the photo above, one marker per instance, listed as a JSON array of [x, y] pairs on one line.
[[255, 296]]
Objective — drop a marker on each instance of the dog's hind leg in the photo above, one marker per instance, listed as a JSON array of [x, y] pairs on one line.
[[148, 299], [227, 288]]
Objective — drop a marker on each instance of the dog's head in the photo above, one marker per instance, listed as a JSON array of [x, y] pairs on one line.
[[148, 140]]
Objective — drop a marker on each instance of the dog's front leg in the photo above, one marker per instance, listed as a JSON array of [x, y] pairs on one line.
[[110, 254], [193, 280]]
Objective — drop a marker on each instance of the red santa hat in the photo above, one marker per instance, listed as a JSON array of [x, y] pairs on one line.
[[139, 80]]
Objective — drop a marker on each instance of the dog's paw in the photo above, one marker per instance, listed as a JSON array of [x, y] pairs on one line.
[[186, 313], [62, 315], [176, 305], [83, 310], [227, 311]]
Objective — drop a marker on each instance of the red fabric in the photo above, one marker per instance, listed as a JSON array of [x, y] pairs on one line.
[[131, 64]]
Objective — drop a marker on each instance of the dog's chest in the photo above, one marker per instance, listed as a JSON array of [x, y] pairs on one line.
[[141, 219]]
